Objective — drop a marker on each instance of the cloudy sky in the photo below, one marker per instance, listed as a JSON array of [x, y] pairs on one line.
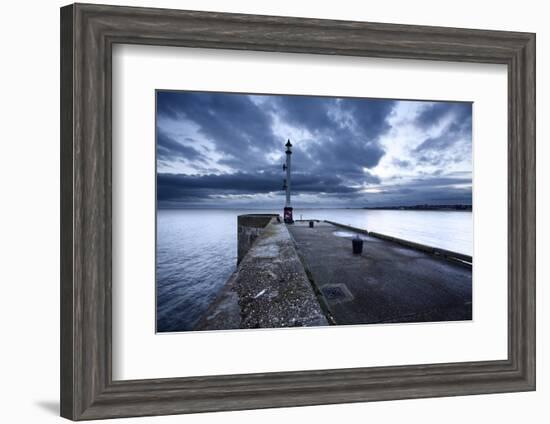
[[227, 150]]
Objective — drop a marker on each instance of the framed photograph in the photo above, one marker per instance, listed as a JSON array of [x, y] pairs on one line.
[[263, 211]]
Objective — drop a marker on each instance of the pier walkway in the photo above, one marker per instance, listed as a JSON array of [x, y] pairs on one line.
[[387, 283]]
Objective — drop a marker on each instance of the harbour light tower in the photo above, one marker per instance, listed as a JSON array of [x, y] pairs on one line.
[[286, 167]]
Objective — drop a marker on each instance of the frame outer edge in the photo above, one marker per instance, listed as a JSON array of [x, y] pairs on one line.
[[67, 322], [529, 223], [87, 32], [522, 213]]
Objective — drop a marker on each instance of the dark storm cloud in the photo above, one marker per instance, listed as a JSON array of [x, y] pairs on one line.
[[453, 189], [347, 156], [456, 132], [371, 120], [178, 189], [340, 145], [449, 146], [346, 131], [437, 111], [345, 135], [234, 123], [172, 187], [311, 113], [170, 149], [364, 118]]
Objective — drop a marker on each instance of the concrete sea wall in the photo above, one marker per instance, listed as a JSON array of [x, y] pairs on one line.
[[249, 228], [270, 288]]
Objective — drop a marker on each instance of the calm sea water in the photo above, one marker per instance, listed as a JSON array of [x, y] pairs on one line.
[[197, 249]]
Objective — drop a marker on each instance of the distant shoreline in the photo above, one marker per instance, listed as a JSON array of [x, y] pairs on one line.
[[422, 208]]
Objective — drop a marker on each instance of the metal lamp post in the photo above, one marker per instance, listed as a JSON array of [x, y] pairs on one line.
[[286, 167]]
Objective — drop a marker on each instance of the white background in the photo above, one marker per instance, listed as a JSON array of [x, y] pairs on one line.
[[138, 353], [29, 174]]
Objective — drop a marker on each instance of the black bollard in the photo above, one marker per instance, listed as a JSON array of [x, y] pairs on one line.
[[310, 224], [357, 244]]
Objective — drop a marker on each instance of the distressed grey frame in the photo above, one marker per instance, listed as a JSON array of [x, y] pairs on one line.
[[88, 33]]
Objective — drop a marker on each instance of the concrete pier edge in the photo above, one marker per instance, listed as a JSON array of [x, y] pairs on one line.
[[270, 287]]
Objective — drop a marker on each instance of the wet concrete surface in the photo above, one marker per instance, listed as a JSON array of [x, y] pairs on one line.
[[387, 283]]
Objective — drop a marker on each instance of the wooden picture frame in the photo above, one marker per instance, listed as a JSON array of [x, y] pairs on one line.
[[88, 33]]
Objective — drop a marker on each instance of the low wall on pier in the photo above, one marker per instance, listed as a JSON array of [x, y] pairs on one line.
[[269, 288], [249, 228]]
